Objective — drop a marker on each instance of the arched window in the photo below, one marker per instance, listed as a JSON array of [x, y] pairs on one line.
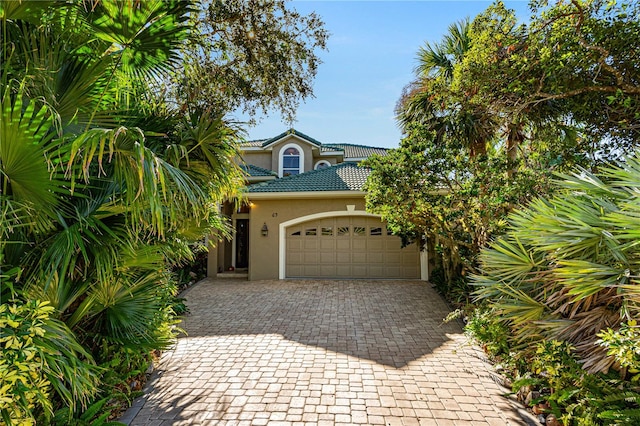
[[322, 164], [291, 160]]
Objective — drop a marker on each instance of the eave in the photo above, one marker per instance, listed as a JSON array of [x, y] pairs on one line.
[[303, 195]]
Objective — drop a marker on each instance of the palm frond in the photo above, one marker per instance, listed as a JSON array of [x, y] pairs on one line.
[[122, 309], [144, 37], [69, 367], [25, 131]]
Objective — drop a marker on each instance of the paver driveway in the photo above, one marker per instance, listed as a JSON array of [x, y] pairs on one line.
[[322, 352]]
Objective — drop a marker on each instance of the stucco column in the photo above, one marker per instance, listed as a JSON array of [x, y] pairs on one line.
[[212, 256], [424, 261]]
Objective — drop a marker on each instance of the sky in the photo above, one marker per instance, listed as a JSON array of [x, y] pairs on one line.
[[370, 58]]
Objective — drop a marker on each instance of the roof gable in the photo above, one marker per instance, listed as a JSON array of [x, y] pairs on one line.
[[291, 132]]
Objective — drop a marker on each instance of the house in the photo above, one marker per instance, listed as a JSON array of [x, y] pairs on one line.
[[305, 217]]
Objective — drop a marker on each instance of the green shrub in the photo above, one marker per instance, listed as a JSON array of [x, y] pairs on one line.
[[624, 345], [575, 396], [97, 414], [24, 387], [484, 325], [42, 365], [568, 266]]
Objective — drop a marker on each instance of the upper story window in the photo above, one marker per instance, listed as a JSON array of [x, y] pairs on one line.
[[291, 160], [322, 164]]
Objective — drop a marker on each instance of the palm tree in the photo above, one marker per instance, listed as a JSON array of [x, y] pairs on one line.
[[434, 103], [569, 267], [439, 59], [103, 185]]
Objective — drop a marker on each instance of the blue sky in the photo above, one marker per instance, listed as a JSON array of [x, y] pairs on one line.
[[370, 58]]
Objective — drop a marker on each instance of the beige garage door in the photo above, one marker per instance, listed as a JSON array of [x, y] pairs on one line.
[[348, 247]]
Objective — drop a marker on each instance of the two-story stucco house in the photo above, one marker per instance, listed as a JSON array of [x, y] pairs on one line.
[[306, 218]]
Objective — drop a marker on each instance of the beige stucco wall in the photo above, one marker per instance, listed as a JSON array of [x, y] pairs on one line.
[[264, 251], [258, 158]]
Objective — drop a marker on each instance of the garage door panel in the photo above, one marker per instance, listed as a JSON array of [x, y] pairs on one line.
[[359, 271], [359, 257], [294, 244], [328, 271], [327, 257], [343, 244], [348, 247], [410, 272], [294, 271], [310, 270], [310, 257], [375, 244], [295, 258], [393, 272], [343, 270], [327, 244], [310, 244], [393, 258], [376, 271], [392, 243], [359, 244]]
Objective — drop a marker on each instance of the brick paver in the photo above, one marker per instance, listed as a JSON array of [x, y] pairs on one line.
[[322, 352]]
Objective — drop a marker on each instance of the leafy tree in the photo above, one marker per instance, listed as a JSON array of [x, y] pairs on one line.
[[254, 55], [574, 61], [426, 188], [495, 109]]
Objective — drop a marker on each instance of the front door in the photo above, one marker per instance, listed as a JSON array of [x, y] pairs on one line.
[[242, 243]]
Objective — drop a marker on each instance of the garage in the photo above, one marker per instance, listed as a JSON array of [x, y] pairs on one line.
[[348, 247]]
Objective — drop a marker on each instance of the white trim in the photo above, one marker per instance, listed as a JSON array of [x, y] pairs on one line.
[[300, 157], [332, 153], [251, 148], [285, 137], [304, 194], [233, 244], [315, 167], [291, 135], [284, 225]]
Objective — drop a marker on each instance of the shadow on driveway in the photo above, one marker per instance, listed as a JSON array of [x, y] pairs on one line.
[[321, 353], [388, 322]]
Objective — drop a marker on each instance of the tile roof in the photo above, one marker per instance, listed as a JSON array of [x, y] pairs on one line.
[[357, 151], [330, 148], [256, 143], [255, 171], [343, 177], [291, 132], [349, 150]]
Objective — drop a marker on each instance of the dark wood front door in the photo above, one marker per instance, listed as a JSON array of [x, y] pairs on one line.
[[242, 243]]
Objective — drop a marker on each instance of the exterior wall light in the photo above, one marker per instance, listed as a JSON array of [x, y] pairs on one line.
[[265, 230]]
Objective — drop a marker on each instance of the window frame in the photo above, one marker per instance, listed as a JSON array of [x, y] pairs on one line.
[[315, 167], [281, 159]]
